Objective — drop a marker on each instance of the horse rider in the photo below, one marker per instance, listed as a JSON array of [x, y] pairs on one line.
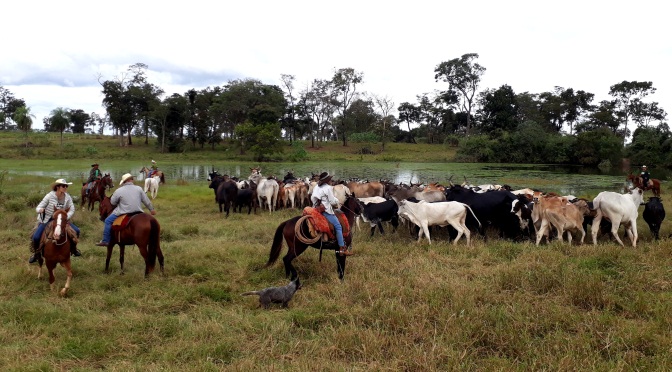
[[128, 198], [152, 169], [646, 177], [94, 175], [323, 195], [58, 198]]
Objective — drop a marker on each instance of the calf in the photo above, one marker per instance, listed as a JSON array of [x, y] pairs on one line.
[[654, 214], [563, 216], [375, 213], [226, 191], [246, 197], [425, 214]]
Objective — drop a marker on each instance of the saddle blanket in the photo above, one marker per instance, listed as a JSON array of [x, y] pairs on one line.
[[322, 225], [122, 221]]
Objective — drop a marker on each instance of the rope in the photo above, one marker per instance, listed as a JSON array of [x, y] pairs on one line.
[[299, 234]]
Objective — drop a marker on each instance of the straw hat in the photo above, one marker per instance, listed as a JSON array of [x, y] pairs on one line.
[[125, 178], [58, 182]]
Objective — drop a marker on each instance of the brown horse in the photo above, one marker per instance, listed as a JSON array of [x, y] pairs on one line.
[[97, 192], [56, 249], [145, 171], [287, 229], [637, 182], [142, 230]]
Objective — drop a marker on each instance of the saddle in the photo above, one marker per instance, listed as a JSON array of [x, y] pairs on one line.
[[122, 221], [48, 234], [318, 224]]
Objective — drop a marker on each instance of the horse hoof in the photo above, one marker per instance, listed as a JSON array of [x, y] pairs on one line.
[[64, 292]]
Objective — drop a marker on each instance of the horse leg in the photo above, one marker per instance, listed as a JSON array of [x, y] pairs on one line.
[[122, 249], [340, 265], [289, 268], [107, 259], [51, 265], [68, 267]]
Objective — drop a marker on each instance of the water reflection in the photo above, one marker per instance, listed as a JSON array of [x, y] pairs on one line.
[[563, 179]]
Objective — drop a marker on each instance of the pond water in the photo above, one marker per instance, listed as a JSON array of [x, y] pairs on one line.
[[575, 180]]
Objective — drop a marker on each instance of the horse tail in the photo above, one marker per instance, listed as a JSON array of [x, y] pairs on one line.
[[277, 245], [154, 242]]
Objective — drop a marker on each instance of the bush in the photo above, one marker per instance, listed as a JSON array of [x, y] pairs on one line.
[[366, 137], [299, 152]]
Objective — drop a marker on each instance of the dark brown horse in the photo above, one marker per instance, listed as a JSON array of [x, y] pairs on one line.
[[142, 230], [350, 208], [637, 182], [97, 192], [56, 249]]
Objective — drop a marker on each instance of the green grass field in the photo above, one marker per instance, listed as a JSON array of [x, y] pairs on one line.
[[498, 305]]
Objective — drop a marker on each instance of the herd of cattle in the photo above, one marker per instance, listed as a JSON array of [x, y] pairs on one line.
[[514, 214]]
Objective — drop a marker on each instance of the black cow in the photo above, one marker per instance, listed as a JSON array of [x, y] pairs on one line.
[[246, 197], [226, 192], [375, 213], [654, 214], [491, 209]]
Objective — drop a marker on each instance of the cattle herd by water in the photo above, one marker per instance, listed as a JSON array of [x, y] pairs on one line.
[[515, 214]]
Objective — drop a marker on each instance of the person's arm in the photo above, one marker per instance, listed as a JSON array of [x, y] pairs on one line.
[[145, 200], [43, 204], [70, 206]]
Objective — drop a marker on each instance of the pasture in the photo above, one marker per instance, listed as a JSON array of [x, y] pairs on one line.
[[402, 306]]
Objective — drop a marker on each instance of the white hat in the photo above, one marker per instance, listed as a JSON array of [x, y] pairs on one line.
[[60, 181], [125, 178], [153, 161]]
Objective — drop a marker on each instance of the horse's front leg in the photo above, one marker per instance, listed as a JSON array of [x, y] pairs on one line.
[[68, 268], [109, 256]]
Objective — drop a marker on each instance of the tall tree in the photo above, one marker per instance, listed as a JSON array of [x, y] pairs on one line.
[[24, 120], [463, 76], [79, 120], [625, 93], [385, 106], [410, 114], [498, 109], [345, 81], [318, 105], [8, 106], [59, 120], [289, 121]]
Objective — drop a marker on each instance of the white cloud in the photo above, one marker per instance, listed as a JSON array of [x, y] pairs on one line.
[[56, 58]]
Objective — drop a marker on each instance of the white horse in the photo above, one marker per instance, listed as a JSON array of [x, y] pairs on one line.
[[152, 185]]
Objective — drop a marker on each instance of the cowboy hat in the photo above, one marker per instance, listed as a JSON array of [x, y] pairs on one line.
[[125, 178], [324, 176], [153, 162], [94, 164], [643, 166], [60, 181]]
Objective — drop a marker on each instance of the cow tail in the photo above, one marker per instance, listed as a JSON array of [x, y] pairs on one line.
[[154, 242], [277, 245], [480, 226]]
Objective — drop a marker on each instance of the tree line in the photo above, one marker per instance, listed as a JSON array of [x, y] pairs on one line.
[[563, 125]]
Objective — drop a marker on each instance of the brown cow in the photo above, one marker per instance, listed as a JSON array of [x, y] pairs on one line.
[[557, 212], [366, 190]]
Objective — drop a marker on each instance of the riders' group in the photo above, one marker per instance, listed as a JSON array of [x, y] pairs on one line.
[[128, 198]]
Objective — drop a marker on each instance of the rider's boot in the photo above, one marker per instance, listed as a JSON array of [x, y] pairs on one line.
[[73, 249], [345, 252], [36, 255]]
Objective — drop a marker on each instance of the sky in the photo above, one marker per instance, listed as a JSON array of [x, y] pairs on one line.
[[55, 52]]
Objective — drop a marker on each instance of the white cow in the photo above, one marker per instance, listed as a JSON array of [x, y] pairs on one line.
[[425, 214], [619, 209], [267, 192], [152, 185], [341, 192]]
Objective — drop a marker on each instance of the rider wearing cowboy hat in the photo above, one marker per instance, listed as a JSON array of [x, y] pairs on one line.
[[94, 174], [645, 176], [128, 198], [323, 194], [58, 198]]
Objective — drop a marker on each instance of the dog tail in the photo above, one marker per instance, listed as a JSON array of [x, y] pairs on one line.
[[250, 293]]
